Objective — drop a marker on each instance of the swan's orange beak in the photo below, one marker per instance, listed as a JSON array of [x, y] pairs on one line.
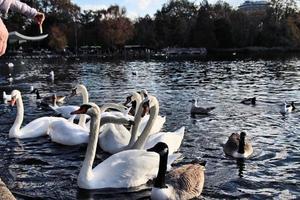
[[79, 111], [13, 101]]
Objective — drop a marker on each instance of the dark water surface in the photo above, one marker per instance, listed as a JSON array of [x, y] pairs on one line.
[[39, 169]]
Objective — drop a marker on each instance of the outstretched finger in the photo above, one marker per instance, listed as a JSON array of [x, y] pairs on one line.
[[3, 47]]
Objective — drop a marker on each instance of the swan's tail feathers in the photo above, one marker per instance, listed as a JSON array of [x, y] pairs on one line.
[[172, 158], [71, 119]]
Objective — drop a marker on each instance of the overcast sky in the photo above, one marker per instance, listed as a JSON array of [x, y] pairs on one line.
[[136, 8]]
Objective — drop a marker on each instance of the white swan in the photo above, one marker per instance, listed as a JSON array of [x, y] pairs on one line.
[[67, 133], [64, 111], [114, 143], [35, 128], [126, 169], [136, 98], [114, 137], [81, 89]]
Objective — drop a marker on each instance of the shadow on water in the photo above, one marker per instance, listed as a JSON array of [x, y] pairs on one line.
[[39, 169]]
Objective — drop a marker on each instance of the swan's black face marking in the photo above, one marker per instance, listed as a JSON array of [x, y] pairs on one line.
[[146, 107], [73, 93], [160, 148], [128, 100], [82, 110]]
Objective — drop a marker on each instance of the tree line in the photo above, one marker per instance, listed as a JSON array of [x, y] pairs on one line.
[[179, 23]]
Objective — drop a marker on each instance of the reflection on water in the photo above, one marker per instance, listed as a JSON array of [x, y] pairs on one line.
[[37, 168]]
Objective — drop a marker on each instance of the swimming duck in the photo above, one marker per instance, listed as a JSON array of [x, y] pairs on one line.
[[185, 182], [237, 146], [197, 110], [288, 107], [249, 101], [47, 99]]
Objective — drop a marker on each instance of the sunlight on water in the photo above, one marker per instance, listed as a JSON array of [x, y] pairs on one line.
[[37, 168]]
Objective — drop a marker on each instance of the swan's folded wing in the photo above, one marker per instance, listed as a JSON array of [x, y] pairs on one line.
[[129, 168]]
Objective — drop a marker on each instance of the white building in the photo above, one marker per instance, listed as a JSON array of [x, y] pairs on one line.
[[254, 6]]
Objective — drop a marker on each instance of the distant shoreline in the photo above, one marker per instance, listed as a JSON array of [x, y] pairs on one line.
[[211, 54]]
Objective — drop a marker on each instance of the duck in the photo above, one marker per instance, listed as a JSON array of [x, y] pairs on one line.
[[126, 169], [46, 99], [249, 101], [36, 128], [288, 107], [10, 78], [238, 146], [80, 89], [51, 75], [197, 110], [6, 97], [184, 182], [10, 64]]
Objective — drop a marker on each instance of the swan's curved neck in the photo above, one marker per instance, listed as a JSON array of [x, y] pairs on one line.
[[241, 149], [19, 118], [85, 100], [86, 171], [134, 129], [161, 175], [140, 142], [138, 100]]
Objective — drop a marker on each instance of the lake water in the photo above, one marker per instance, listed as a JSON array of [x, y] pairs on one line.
[[39, 169]]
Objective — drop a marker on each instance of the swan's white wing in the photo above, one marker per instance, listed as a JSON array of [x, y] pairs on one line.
[[67, 133], [113, 138], [66, 110], [126, 169], [172, 139], [35, 128]]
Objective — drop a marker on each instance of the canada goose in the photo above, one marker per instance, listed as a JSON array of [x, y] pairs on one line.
[[185, 182], [238, 146], [197, 110], [47, 99], [249, 101]]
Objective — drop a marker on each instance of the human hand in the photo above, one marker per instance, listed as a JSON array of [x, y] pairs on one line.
[[3, 37], [39, 18]]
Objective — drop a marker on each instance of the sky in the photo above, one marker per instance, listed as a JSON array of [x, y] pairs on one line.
[[137, 8]]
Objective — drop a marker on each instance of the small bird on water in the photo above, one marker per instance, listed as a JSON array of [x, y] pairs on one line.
[[197, 110]]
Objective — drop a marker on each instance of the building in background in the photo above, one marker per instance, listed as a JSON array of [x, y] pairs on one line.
[[254, 6]]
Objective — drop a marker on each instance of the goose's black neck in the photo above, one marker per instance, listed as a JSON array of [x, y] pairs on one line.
[[161, 175], [37, 94], [293, 106], [241, 149]]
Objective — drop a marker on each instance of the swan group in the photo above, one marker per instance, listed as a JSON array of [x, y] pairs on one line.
[[136, 152]]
